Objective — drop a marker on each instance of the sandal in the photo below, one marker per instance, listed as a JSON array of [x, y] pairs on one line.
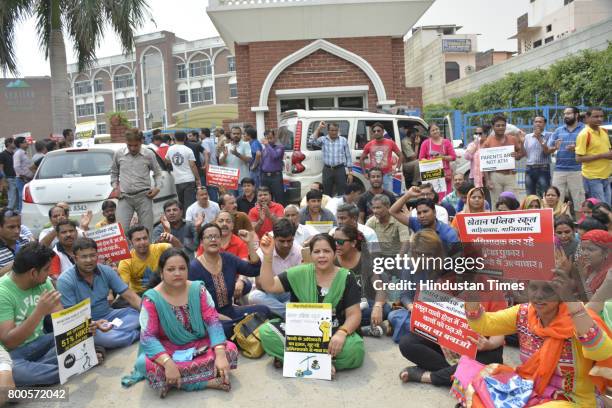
[[333, 372], [411, 374], [100, 354], [278, 363]]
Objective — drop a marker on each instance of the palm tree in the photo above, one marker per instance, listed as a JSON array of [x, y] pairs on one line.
[[84, 22]]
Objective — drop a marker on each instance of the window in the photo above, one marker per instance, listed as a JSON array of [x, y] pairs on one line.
[[452, 71], [98, 85], [364, 132], [202, 94], [549, 39], [181, 71], [289, 104], [566, 2], [549, 28], [233, 90], [321, 103], [82, 87], [132, 123], [200, 68], [343, 130], [101, 128], [350, 103], [100, 108], [536, 44], [75, 164], [231, 64], [123, 81], [208, 93], [85, 110], [183, 96], [126, 104]]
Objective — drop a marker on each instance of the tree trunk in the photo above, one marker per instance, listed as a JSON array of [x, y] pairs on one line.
[[61, 104]]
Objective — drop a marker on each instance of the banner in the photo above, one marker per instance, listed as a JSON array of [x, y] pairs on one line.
[[440, 318], [111, 243], [222, 177], [308, 330], [513, 244], [323, 227], [497, 158], [432, 171], [73, 341]]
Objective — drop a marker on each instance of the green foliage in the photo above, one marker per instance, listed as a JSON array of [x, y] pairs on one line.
[[582, 78], [123, 120]]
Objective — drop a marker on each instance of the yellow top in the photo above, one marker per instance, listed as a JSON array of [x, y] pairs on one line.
[[136, 272], [598, 143]]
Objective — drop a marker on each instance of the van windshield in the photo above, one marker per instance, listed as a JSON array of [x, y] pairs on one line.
[[76, 164], [286, 133]]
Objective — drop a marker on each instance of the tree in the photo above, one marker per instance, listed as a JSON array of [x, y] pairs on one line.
[[84, 22]]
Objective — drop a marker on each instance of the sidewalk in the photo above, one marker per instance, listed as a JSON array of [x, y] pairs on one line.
[[257, 384]]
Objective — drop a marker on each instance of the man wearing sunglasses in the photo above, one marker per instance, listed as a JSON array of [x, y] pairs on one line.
[[11, 239], [380, 154]]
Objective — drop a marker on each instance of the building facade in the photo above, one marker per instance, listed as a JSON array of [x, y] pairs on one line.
[[551, 20], [303, 56], [25, 106], [163, 75]]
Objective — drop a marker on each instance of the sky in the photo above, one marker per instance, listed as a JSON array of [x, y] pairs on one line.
[[190, 22]]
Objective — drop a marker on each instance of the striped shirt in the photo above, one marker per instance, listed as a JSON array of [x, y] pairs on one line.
[[535, 151], [7, 254], [335, 152]]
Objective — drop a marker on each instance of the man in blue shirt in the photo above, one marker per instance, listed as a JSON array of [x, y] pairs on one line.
[[256, 150], [567, 175], [88, 279], [426, 217], [337, 164], [537, 175]]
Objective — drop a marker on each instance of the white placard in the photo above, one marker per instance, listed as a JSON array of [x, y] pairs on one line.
[[74, 343], [308, 330], [497, 158]]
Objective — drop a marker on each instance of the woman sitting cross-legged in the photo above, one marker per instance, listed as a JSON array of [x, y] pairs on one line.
[[317, 282], [221, 273], [560, 343], [182, 341]]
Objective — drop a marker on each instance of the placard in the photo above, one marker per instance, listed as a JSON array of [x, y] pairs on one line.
[[514, 244], [111, 243], [497, 158], [308, 330], [323, 227], [441, 319], [432, 171], [222, 177], [74, 342]]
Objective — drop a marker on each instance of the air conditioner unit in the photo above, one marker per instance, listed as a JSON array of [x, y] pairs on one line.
[[469, 69]]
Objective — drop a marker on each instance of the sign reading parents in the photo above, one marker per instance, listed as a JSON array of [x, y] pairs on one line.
[[497, 158], [222, 177], [111, 243], [440, 318], [74, 342], [432, 171], [514, 244], [308, 330]]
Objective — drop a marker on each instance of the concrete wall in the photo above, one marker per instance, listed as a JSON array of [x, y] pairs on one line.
[[595, 37]]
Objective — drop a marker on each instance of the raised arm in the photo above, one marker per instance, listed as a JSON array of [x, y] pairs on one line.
[[269, 282], [397, 208]]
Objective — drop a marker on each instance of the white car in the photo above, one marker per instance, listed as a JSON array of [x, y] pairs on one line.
[[80, 177]]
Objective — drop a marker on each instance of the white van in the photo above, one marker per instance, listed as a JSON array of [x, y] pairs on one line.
[[304, 162]]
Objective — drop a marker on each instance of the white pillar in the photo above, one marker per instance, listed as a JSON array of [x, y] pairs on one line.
[[260, 121]]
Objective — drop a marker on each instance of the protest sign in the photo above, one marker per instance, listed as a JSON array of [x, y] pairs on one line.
[[308, 330], [222, 177], [323, 227], [432, 171], [513, 244], [84, 134], [440, 318], [111, 243], [74, 343], [497, 158]]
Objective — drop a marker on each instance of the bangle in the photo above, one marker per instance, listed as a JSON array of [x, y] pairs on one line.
[[218, 346], [341, 328], [165, 360], [377, 305], [474, 314], [578, 312]]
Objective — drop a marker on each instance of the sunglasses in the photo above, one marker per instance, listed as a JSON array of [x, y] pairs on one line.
[[9, 213], [341, 241], [478, 133]]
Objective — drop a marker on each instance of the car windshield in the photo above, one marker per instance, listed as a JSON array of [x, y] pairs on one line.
[[75, 164]]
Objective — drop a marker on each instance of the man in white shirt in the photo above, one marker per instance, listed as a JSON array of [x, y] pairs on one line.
[[303, 233], [203, 205], [184, 170], [427, 191], [286, 255], [237, 155], [351, 196], [348, 214]]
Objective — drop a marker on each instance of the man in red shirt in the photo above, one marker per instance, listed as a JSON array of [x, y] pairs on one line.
[[266, 212], [380, 154], [502, 180]]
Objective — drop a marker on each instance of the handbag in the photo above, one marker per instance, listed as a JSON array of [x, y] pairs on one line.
[[246, 335]]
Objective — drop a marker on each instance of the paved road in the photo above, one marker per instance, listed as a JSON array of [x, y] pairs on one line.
[[257, 383]]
